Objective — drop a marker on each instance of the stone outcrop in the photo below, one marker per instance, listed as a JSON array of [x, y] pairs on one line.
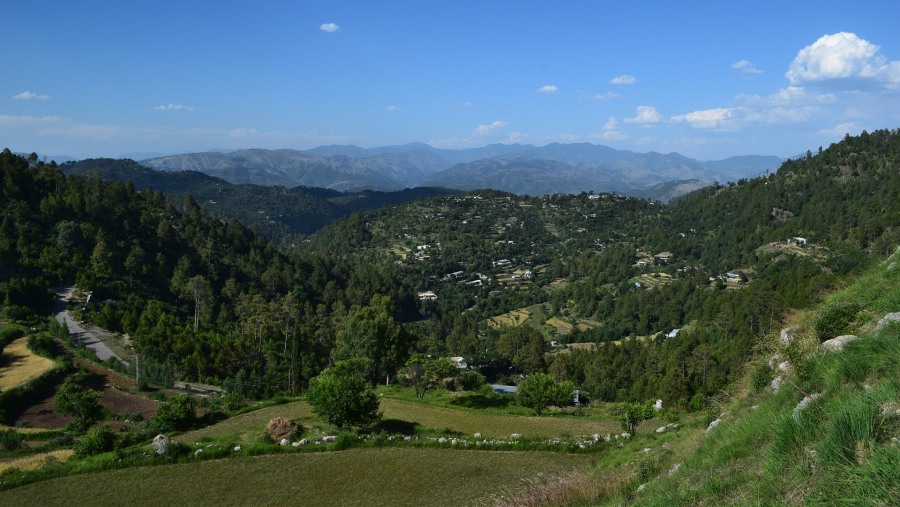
[[838, 344], [886, 320], [160, 444]]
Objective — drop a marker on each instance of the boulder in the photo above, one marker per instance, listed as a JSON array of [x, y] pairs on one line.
[[787, 336], [160, 444], [887, 319], [280, 428], [837, 344], [284, 442], [803, 404]]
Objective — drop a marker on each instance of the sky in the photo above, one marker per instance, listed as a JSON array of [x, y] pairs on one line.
[[708, 80]]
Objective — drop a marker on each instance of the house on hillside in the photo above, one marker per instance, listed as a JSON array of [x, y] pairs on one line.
[[427, 296], [663, 257]]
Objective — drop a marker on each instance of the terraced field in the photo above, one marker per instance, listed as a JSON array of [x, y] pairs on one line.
[[19, 365]]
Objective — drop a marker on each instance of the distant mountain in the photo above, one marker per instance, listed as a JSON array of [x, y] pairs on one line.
[[523, 169], [670, 190], [276, 212]]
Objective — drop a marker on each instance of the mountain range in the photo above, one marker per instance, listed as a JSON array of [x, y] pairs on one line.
[[521, 169]]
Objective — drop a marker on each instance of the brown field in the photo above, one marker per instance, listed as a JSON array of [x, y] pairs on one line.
[[19, 365]]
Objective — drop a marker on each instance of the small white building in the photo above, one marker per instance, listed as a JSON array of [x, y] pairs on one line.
[[427, 296]]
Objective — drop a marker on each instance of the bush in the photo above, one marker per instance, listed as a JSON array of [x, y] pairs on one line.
[[342, 396], [10, 440], [42, 345], [835, 319], [470, 380], [634, 413], [98, 440], [540, 391], [175, 414], [762, 376]]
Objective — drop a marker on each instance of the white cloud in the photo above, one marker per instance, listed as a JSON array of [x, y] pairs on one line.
[[843, 57], [839, 131], [645, 115], [329, 27], [482, 130], [611, 124], [548, 89], [173, 107], [26, 95], [706, 118], [463, 105], [393, 109], [600, 97], [624, 79], [746, 67]]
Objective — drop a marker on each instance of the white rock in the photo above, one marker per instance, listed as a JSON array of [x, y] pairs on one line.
[[329, 438], [477, 435], [197, 452], [713, 425], [837, 344], [284, 441], [803, 404], [296, 444], [776, 382], [515, 436], [661, 429], [626, 435], [674, 469], [887, 319], [160, 444], [237, 448], [787, 336]]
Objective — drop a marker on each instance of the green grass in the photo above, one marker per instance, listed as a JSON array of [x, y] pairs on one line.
[[370, 477], [454, 420], [841, 450]]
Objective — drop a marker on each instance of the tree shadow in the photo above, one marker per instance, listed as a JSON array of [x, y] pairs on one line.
[[395, 426], [482, 401]]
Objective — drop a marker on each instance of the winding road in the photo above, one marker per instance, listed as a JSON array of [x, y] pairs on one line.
[[92, 339]]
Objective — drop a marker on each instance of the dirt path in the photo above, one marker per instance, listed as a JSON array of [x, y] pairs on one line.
[[93, 337]]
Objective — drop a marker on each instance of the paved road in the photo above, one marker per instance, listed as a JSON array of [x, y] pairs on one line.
[[90, 339]]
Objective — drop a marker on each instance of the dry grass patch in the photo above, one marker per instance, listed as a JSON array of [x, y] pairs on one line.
[[34, 461], [19, 365]]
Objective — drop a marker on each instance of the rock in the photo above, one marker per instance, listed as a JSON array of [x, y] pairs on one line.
[[787, 336], [477, 435], [284, 442], [237, 448], [646, 449], [713, 425], [515, 436], [837, 344], [160, 444], [886, 320], [803, 404], [674, 469], [329, 438], [892, 266], [304, 441], [661, 429], [197, 452], [596, 437], [626, 435], [280, 428], [776, 382], [296, 444], [442, 440]]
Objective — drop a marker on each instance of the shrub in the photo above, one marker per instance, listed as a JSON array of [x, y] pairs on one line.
[[835, 319], [343, 397], [469, 380], [98, 440], [10, 440], [540, 391], [634, 413], [762, 376], [175, 414]]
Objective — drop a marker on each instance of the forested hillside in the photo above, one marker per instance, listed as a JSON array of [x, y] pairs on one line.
[[486, 275], [280, 214]]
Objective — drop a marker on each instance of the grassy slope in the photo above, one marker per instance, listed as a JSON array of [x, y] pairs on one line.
[[841, 450], [380, 476], [429, 416]]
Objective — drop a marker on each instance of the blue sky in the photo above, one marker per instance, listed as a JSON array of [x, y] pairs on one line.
[[706, 79]]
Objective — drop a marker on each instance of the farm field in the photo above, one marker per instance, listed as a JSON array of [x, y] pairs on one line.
[[467, 422], [370, 477], [19, 365]]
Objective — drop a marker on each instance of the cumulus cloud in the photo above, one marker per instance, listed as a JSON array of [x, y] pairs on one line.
[[548, 89], [624, 79], [173, 107], [840, 130], [26, 95], [329, 27], [599, 97], [645, 115], [843, 57], [706, 118], [746, 67], [482, 130], [393, 109]]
